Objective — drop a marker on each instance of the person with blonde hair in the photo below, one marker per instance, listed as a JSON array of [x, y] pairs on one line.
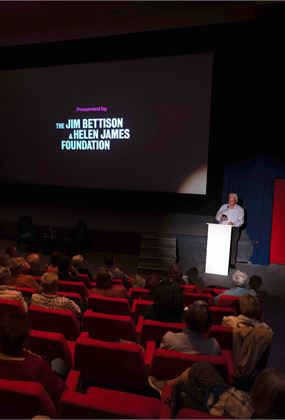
[[19, 265], [77, 262], [9, 292], [232, 214], [35, 262], [49, 299]]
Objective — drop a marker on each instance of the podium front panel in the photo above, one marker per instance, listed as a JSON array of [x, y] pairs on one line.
[[218, 249]]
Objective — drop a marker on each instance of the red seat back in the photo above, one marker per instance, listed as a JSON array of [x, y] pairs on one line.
[[139, 306], [108, 364], [73, 286], [63, 321], [51, 344], [23, 399], [155, 330], [107, 403], [229, 301], [137, 292], [106, 305], [109, 327], [224, 336], [9, 305], [189, 298], [168, 364], [218, 313]]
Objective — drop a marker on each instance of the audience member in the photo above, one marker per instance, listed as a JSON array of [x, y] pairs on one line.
[[18, 265], [54, 260], [4, 260], [194, 277], [168, 303], [16, 363], [9, 292], [151, 283], [240, 280], [210, 393], [49, 299], [116, 272], [193, 339], [35, 262], [12, 251], [77, 262], [251, 338], [105, 287], [66, 271], [255, 282], [175, 271]]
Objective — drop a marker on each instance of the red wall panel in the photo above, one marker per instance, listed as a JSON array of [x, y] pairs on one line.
[[277, 249]]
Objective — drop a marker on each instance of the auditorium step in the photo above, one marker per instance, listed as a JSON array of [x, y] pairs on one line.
[[157, 252]]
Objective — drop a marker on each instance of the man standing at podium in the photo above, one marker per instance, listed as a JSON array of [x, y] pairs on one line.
[[232, 214]]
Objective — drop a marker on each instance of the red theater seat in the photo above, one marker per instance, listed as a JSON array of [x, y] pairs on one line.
[[9, 305], [189, 298], [109, 327], [224, 336], [63, 321], [229, 301], [137, 292], [85, 279], [106, 305], [106, 403], [24, 400], [168, 364], [149, 330], [139, 306], [218, 312], [50, 344], [189, 288], [214, 290], [107, 364], [73, 286], [185, 413]]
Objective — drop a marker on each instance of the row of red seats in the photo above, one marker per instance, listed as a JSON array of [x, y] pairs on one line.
[[31, 399]]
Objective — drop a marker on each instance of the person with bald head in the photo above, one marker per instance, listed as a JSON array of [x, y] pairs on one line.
[[232, 214]]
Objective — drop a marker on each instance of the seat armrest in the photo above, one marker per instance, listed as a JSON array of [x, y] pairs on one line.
[[230, 364], [165, 411], [139, 325], [149, 353], [72, 380]]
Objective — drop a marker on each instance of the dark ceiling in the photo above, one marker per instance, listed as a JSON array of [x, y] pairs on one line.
[[29, 22]]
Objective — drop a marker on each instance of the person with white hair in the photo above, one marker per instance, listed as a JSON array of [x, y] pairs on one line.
[[232, 214], [240, 280]]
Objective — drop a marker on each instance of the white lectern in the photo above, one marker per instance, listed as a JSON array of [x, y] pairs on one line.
[[218, 249]]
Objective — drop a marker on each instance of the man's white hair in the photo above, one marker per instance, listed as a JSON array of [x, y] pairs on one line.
[[240, 278], [234, 195]]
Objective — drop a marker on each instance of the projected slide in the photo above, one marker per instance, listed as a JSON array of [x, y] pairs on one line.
[[137, 125]]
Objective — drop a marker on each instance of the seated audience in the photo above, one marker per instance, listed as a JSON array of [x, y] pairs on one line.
[[211, 394], [4, 260], [77, 262], [49, 299], [105, 287], [251, 337], [168, 303], [17, 363], [115, 271], [35, 262], [9, 292], [175, 271], [12, 251], [54, 260], [193, 339], [18, 265], [255, 282], [194, 277], [240, 280], [66, 271]]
